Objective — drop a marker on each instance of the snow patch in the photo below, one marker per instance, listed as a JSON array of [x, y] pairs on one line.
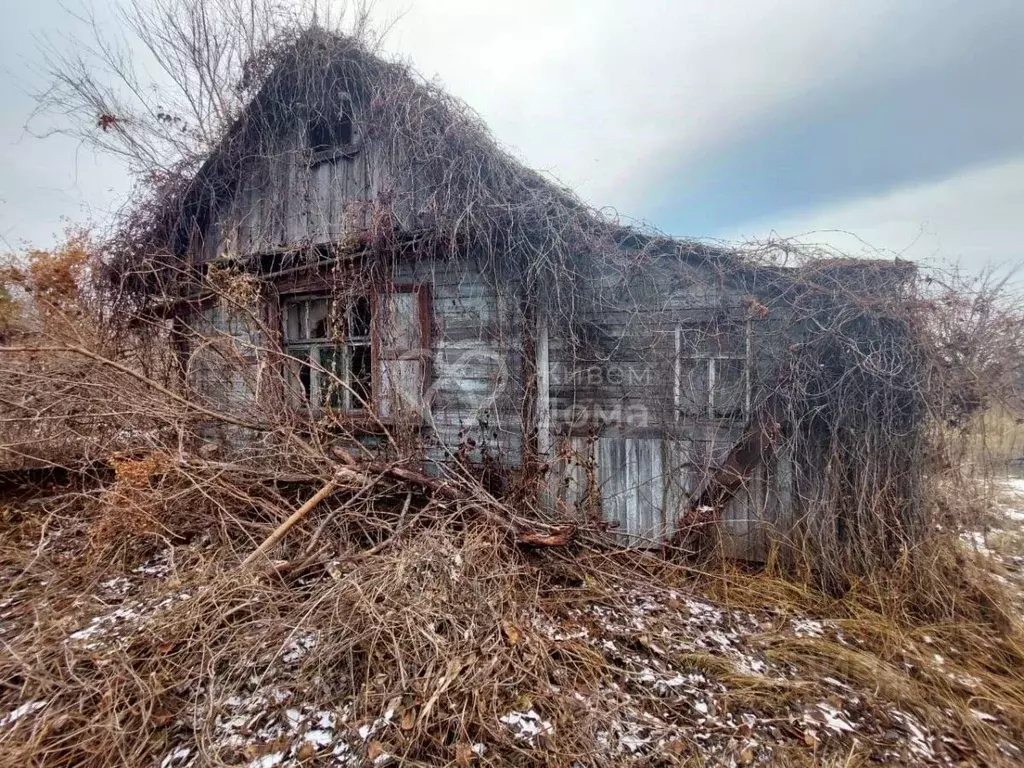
[[16, 714]]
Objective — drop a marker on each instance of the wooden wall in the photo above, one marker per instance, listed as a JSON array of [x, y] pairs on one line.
[[285, 200], [619, 444], [288, 197], [227, 367], [622, 445], [475, 389]]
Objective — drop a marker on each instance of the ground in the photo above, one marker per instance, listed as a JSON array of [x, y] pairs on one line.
[[177, 659], [1001, 537]]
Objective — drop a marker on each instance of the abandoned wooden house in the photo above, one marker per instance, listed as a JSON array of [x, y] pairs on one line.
[[413, 277]]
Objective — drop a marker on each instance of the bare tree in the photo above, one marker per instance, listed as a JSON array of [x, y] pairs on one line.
[[161, 89]]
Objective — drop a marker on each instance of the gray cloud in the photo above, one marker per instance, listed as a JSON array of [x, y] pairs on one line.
[[955, 104], [43, 182], [971, 218], [702, 117]]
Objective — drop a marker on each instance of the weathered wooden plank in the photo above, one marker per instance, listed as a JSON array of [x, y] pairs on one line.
[[298, 200], [678, 483], [614, 483], [319, 214], [650, 518], [278, 192], [341, 195], [741, 520]]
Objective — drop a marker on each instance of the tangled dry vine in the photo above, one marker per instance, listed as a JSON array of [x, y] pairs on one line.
[[201, 573]]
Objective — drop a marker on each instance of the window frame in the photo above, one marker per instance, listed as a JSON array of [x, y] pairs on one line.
[[712, 361], [323, 153], [307, 352]]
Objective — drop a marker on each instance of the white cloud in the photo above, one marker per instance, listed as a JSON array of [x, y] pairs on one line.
[[974, 217]]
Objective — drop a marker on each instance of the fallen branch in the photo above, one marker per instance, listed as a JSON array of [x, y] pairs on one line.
[[534, 534], [88, 353], [328, 488], [558, 537]]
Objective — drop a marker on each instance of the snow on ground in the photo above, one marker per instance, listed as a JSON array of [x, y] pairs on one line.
[[19, 712], [675, 663], [1016, 485], [639, 638], [1002, 539], [1012, 502], [680, 670]]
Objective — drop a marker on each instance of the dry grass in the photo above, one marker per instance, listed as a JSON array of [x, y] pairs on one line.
[[427, 638]]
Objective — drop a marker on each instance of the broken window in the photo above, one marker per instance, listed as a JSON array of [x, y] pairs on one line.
[[329, 344], [712, 372], [351, 354], [331, 128]]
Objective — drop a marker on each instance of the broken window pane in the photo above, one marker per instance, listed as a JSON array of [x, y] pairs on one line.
[[331, 128], [729, 394], [319, 319], [362, 378], [693, 386], [693, 341], [727, 340], [359, 319], [332, 377], [341, 374], [305, 373], [294, 316]]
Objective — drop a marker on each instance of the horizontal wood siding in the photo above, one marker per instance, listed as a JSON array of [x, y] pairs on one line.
[[226, 368], [475, 388]]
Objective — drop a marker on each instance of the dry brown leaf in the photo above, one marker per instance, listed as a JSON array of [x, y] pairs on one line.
[[464, 755], [675, 747], [513, 634], [162, 719], [375, 750]]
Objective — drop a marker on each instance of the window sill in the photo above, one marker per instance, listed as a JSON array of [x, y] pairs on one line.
[[347, 152]]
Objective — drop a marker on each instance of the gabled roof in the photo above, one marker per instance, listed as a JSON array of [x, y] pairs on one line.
[[477, 189]]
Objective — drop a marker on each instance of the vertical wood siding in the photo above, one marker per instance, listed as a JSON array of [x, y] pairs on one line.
[[226, 367], [646, 455], [288, 198], [632, 488], [476, 387], [642, 486]]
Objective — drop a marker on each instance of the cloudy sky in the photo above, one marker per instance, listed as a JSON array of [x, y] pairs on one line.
[[895, 125]]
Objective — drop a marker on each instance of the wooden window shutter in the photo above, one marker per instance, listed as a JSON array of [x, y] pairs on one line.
[[403, 333]]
